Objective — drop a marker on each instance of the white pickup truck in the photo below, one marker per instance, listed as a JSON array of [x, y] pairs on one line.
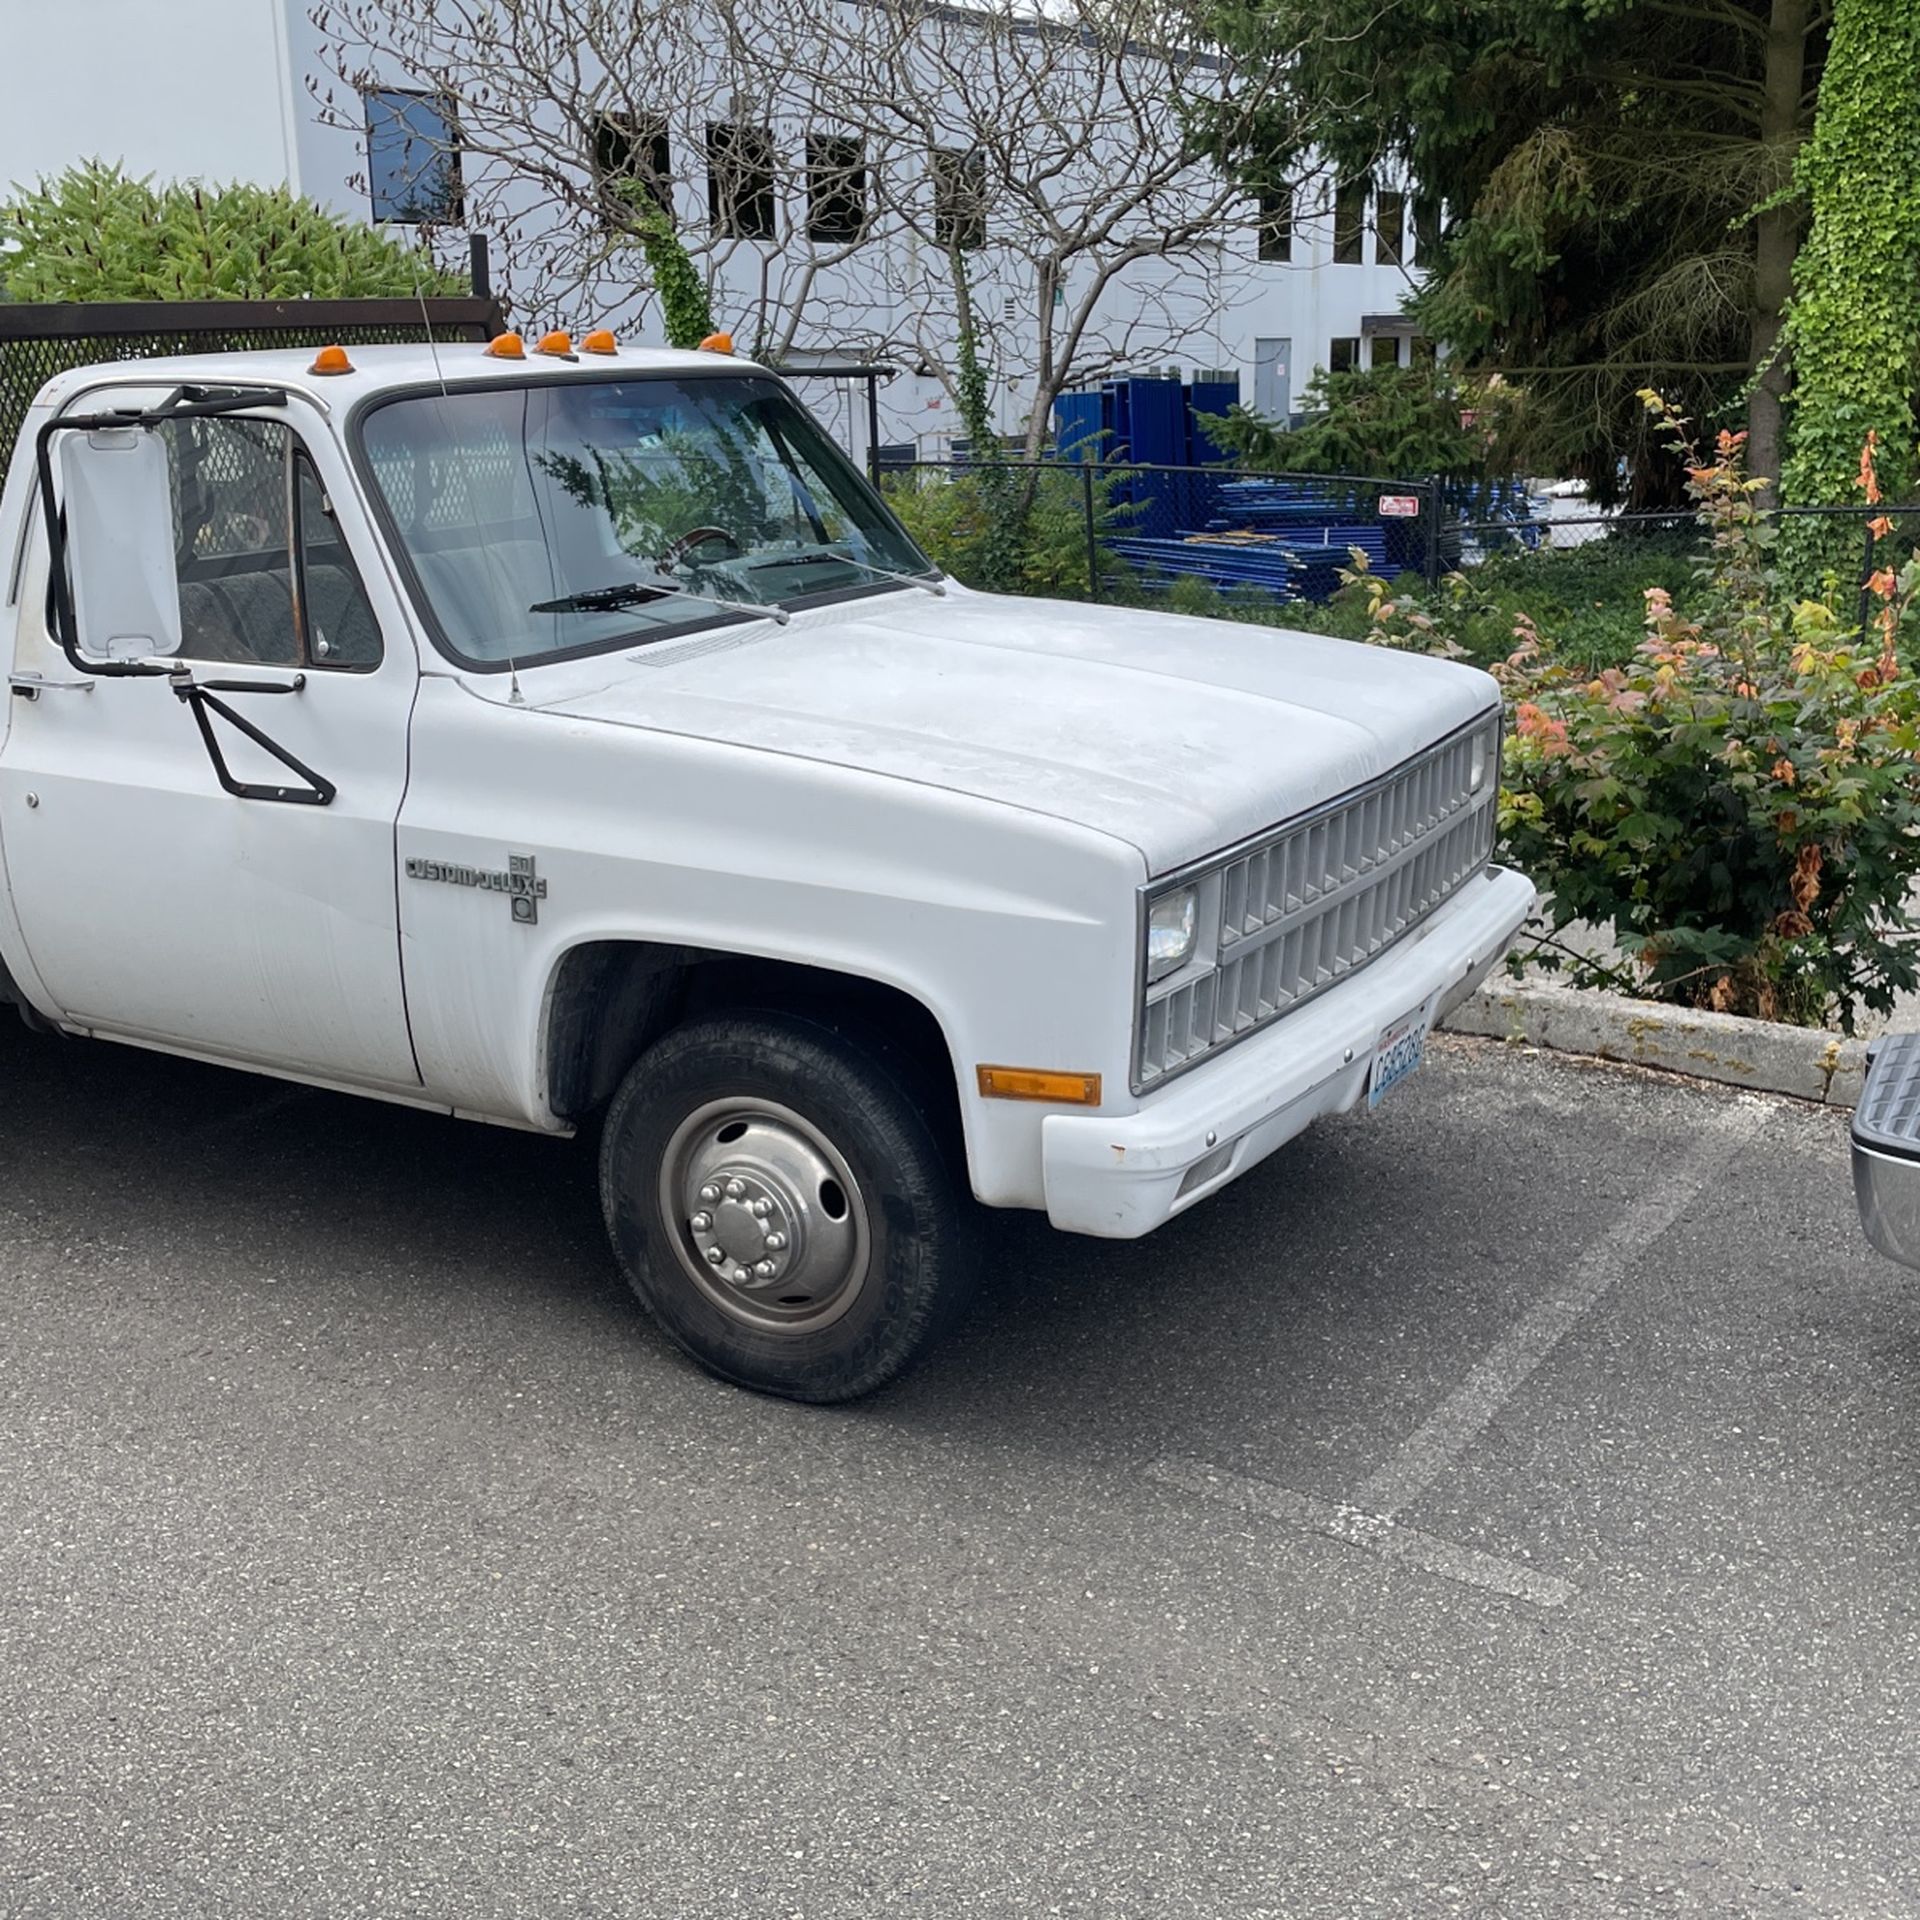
[[570, 738]]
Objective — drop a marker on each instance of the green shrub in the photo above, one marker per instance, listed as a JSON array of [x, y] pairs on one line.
[[1052, 544], [1010, 529], [1737, 802], [1384, 420], [1590, 598], [946, 516], [98, 233]]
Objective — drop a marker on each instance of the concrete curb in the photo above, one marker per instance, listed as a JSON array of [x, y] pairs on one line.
[[1802, 1061]]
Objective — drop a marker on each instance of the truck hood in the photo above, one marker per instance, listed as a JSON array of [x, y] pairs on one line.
[[1180, 735]]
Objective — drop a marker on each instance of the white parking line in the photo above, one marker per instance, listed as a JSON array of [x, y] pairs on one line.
[[1374, 1531], [1371, 1520], [1467, 1412]]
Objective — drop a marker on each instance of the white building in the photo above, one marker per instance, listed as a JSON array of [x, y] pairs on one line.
[[212, 96], [1266, 296]]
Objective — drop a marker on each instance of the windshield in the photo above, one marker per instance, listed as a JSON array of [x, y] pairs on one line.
[[575, 515]]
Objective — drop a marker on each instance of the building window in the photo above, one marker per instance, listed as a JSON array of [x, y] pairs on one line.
[[1426, 230], [1344, 355], [959, 198], [1350, 220], [632, 148], [836, 187], [1389, 229], [413, 157], [1386, 350], [740, 197], [1276, 223]]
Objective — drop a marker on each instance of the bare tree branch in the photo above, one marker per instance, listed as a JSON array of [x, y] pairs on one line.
[[1075, 136]]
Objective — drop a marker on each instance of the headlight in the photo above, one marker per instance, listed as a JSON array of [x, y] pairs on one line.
[[1172, 921], [1486, 751]]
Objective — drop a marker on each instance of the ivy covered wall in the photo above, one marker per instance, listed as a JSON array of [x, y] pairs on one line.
[[1854, 327]]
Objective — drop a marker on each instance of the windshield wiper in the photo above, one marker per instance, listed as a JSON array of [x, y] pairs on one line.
[[825, 557], [636, 593]]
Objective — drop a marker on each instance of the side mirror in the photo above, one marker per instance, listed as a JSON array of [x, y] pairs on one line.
[[118, 506]]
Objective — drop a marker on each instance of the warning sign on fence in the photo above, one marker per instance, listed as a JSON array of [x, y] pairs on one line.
[[1399, 506]]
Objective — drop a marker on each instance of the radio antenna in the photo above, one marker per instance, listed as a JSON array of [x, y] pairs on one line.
[[426, 322]]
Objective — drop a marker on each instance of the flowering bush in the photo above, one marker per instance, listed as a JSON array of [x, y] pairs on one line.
[[1739, 802], [1396, 619]]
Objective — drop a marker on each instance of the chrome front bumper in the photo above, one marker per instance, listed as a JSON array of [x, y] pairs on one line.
[[1886, 1148], [1122, 1175]]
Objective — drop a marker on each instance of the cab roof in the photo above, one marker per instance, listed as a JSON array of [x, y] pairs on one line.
[[383, 369]]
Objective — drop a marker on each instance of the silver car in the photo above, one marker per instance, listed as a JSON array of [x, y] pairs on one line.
[[1886, 1148]]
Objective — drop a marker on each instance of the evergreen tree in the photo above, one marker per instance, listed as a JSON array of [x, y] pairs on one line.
[[1617, 178]]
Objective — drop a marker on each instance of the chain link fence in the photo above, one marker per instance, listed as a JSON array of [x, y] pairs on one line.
[[1112, 529], [1132, 529]]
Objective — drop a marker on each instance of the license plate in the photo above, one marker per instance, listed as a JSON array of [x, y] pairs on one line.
[[1398, 1051]]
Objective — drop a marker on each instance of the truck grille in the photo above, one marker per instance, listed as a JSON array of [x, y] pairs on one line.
[[1315, 900]]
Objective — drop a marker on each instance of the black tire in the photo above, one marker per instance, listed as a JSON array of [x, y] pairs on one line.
[[799, 1115]]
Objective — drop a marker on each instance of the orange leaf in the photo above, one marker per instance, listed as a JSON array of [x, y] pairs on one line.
[[1805, 885], [1869, 480]]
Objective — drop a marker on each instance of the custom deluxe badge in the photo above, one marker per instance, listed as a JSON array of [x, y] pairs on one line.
[[520, 883]]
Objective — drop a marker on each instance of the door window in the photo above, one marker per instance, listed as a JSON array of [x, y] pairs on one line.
[[265, 577], [339, 622]]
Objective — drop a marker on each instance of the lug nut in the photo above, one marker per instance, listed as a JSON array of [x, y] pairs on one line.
[[735, 1188], [715, 1257], [765, 1269], [701, 1222], [709, 1193], [741, 1276], [761, 1208], [776, 1242]]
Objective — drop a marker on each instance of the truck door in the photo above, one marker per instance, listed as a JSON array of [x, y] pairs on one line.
[[154, 903]]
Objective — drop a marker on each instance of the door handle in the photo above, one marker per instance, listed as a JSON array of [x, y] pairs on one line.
[[30, 686]]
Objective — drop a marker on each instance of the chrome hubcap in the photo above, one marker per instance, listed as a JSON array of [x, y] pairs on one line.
[[769, 1220]]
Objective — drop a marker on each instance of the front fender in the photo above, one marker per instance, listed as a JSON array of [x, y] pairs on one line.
[[1013, 929]]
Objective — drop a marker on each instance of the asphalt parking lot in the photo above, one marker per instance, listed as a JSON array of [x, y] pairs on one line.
[[1502, 1505]]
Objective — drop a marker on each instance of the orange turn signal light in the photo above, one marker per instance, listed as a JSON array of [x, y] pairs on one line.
[[600, 340], [717, 343], [331, 360], [559, 343], [507, 346], [1035, 1083]]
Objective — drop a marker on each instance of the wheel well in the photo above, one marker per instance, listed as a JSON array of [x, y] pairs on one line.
[[11, 996], [613, 998]]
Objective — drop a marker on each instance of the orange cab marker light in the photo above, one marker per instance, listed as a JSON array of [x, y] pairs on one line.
[[331, 360], [507, 346], [600, 340], [1034, 1083], [559, 343], [717, 343]]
